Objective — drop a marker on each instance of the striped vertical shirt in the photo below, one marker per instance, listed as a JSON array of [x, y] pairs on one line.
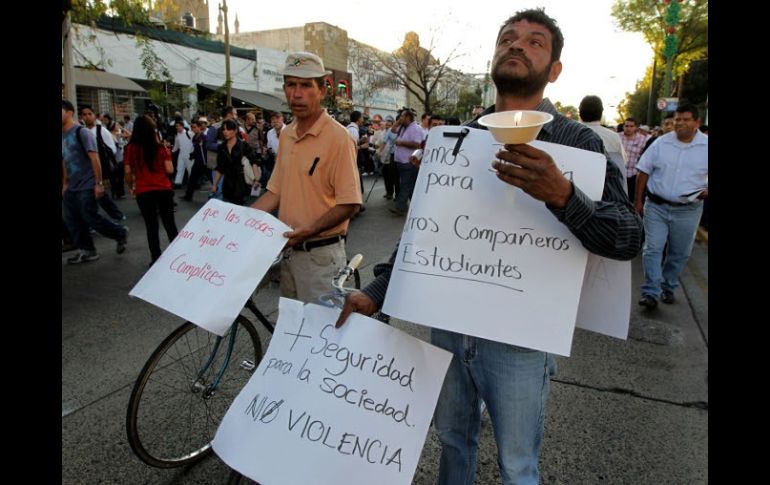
[[609, 227]]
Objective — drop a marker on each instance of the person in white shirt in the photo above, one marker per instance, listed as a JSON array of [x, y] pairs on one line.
[[183, 147], [674, 171], [591, 110], [276, 120]]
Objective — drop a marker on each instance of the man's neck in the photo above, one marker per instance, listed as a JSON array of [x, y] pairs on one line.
[[512, 102], [67, 126], [686, 140], [304, 124]]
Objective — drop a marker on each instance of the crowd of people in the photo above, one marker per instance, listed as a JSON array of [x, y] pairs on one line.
[[309, 173]]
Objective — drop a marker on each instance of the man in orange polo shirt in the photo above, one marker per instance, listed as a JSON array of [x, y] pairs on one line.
[[314, 185]]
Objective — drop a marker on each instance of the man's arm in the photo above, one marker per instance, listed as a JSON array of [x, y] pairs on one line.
[[267, 202], [641, 184], [333, 217], [128, 178], [97, 166], [609, 227], [408, 144]]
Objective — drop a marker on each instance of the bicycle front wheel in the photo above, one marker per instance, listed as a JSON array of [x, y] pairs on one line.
[[173, 412]]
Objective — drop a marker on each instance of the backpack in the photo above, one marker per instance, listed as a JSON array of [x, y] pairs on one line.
[[106, 156]]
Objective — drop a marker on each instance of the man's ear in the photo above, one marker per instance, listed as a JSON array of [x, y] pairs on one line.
[[555, 71]]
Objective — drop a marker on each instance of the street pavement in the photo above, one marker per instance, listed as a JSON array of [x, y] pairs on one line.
[[620, 412]]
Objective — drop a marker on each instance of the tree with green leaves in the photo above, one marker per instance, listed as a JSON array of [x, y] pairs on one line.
[[467, 98], [688, 42], [567, 110], [649, 18], [163, 92], [87, 12]]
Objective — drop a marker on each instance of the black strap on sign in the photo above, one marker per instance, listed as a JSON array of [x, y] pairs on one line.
[[460, 135]]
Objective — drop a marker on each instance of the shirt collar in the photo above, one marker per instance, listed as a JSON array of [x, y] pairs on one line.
[[314, 130]]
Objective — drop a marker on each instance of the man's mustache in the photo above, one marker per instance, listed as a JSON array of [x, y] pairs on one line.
[[521, 57]]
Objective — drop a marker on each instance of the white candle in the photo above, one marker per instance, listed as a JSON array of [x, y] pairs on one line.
[[517, 118]]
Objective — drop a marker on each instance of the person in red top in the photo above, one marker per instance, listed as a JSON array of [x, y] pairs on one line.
[[147, 165]]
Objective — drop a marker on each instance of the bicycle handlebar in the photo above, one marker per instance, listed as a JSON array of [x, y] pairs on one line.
[[337, 297], [345, 272]]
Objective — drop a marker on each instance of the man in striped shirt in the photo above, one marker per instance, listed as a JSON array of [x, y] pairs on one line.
[[513, 381]]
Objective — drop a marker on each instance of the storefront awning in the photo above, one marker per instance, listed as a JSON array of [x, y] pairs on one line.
[[261, 100], [106, 80]]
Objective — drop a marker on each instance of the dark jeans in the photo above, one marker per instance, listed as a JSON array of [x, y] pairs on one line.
[[108, 205], [117, 182], [408, 176], [391, 179], [153, 204], [193, 183], [268, 164], [631, 182], [80, 214]]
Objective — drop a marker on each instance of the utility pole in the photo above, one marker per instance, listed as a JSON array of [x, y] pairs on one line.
[[228, 82], [672, 20], [69, 71]]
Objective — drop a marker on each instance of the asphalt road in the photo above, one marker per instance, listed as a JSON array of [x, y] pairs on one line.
[[630, 412]]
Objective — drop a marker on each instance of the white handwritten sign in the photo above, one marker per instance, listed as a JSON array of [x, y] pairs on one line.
[[212, 267], [606, 297], [481, 257], [331, 406]]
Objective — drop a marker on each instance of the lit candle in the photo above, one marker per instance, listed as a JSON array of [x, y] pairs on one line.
[[517, 118]]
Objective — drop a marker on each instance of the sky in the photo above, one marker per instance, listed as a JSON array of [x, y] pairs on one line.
[[598, 58]]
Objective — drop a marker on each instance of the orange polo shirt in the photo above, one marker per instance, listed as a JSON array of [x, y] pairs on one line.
[[304, 198]]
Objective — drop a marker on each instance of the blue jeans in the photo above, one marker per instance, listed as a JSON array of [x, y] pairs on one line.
[[668, 226], [219, 185], [514, 384], [407, 174], [80, 214], [108, 205]]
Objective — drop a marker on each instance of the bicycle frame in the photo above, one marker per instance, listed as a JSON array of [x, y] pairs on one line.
[[211, 388], [336, 298]]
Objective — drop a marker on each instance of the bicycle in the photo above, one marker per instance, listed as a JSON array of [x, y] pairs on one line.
[[189, 381], [334, 299]]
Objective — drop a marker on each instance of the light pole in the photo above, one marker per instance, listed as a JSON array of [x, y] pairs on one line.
[[228, 82], [672, 19]]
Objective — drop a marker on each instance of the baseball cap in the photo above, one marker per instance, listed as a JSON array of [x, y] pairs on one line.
[[304, 65], [389, 118]]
